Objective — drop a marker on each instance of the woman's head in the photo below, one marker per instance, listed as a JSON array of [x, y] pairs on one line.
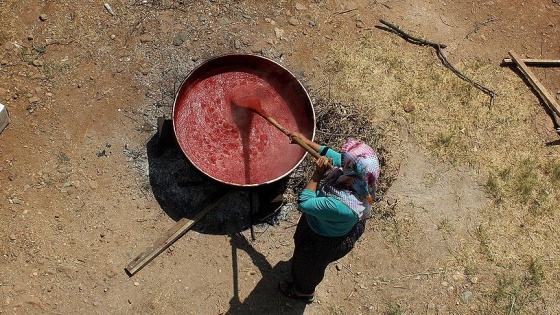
[[354, 182], [360, 161]]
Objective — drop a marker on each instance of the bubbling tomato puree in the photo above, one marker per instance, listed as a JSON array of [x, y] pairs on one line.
[[231, 143]]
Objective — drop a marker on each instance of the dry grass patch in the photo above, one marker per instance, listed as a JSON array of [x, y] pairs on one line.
[[453, 121]]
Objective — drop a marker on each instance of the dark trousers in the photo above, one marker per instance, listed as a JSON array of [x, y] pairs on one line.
[[314, 252]]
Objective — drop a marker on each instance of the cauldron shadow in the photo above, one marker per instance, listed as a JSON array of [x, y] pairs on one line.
[[179, 188]]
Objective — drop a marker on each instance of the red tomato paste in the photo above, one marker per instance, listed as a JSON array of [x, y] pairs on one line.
[[233, 144]]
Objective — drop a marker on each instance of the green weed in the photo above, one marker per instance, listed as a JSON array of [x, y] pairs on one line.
[[536, 272], [515, 294], [492, 188], [395, 309], [466, 260], [444, 225], [484, 241], [444, 139], [554, 172], [398, 230]]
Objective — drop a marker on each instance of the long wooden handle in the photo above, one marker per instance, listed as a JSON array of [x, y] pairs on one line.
[[296, 139], [306, 147], [276, 124], [174, 233]]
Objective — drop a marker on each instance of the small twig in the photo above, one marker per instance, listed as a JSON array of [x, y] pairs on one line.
[[348, 268], [427, 274], [136, 25], [291, 226], [443, 21], [512, 304], [392, 280], [41, 49], [141, 190], [383, 4], [56, 42], [344, 12], [479, 25], [131, 118], [438, 47], [158, 7], [266, 229], [542, 43]]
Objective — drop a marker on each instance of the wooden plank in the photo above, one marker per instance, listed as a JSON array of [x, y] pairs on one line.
[[543, 92], [536, 62], [174, 233]]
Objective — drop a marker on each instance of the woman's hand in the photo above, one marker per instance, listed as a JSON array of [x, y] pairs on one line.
[[304, 139], [295, 134], [322, 165]]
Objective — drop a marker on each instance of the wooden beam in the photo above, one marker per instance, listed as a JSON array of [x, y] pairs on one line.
[[174, 233], [543, 92], [536, 62]]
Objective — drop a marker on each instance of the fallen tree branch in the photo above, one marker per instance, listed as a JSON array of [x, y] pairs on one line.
[[439, 50], [414, 40]]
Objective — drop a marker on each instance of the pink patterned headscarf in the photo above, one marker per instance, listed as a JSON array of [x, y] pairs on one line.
[[354, 182]]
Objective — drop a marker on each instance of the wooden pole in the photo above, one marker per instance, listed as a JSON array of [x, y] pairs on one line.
[[543, 92], [286, 132], [536, 62], [174, 233]]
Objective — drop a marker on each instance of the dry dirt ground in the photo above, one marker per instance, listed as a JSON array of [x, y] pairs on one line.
[[83, 189]]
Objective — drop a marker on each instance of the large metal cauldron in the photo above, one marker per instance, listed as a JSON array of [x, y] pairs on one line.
[[238, 147]]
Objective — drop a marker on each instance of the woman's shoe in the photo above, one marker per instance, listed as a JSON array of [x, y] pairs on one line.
[[287, 288]]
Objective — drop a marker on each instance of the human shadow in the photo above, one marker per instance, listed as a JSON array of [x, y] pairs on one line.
[[265, 297]]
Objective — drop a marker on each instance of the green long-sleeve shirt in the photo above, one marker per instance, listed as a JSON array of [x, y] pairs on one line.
[[327, 215]]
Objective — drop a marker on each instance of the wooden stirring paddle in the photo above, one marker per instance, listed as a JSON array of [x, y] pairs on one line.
[[253, 103]]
